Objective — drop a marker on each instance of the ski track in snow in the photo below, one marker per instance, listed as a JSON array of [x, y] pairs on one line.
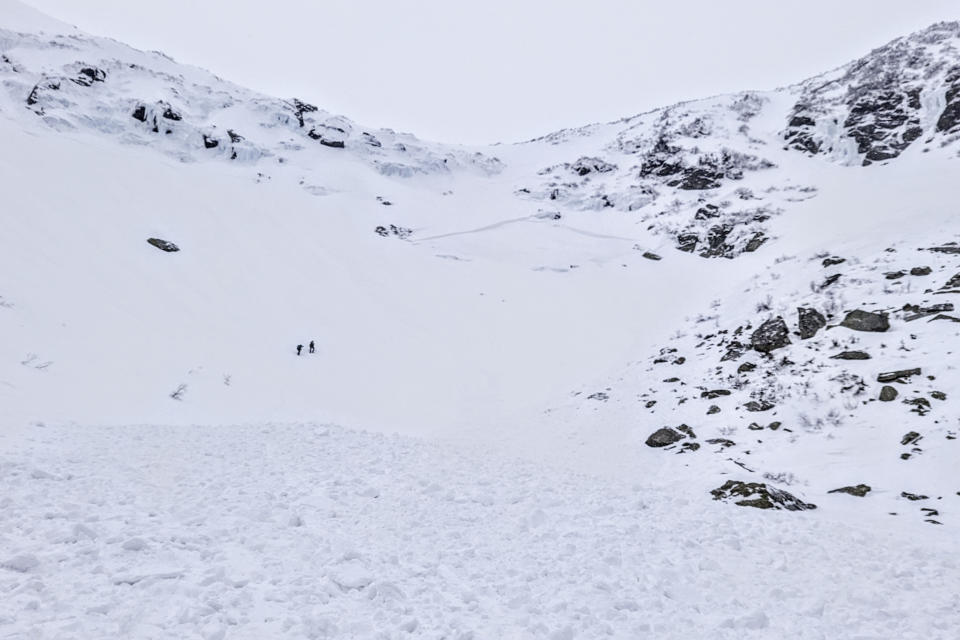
[[311, 531]]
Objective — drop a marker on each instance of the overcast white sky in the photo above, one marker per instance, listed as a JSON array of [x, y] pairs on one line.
[[499, 70]]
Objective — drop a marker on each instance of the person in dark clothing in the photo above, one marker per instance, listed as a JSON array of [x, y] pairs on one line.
[[299, 348], [311, 346]]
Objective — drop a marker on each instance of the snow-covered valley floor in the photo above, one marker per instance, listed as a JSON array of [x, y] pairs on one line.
[[310, 531]]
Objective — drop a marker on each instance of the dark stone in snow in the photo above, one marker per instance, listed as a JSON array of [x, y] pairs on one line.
[[755, 242], [686, 430], [921, 271], [698, 179], [140, 113], [916, 311], [860, 320], [760, 496], [713, 409], [810, 321], [772, 334], [938, 395], [89, 75], [851, 355], [758, 405], [952, 283], [163, 245], [170, 114], [746, 367], [723, 442], [300, 108], [210, 143], [897, 376], [394, 230], [707, 211], [687, 242], [716, 393], [585, 166], [829, 262], [649, 255], [888, 394], [664, 437], [920, 405], [830, 280], [950, 118], [895, 275], [860, 490], [234, 136], [913, 497], [911, 437], [950, 248]]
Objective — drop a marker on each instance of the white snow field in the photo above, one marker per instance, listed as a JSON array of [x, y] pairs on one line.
[[306, 531], [499, 332]]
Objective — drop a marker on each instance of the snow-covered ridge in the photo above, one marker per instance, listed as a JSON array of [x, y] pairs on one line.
[[710, 173], [77, 82]]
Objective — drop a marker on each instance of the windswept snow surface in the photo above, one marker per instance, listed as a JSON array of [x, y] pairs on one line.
[[306, 531], [498, 331]]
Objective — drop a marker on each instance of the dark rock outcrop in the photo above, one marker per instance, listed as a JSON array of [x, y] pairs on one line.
[[716, 393], [772, 334], [860, 320], [851, 355], [897, 376], [859, 490], [89, 75], [760, 496], [949, 119], [170, 114], [911, 437], [810, 321], [888, 394], [393, 230], [758, 406], [664, 437], [163, 245], [585, 166]]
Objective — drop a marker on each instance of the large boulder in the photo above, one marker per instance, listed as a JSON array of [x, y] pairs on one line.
[[898, 376], [664, 437], [860, 320], [772, 334], [760, 496], [810, 321], [888, 394], [851, 355]]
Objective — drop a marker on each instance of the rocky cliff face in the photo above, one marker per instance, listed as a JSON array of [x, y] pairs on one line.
[[876, 107], [712, 173]]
